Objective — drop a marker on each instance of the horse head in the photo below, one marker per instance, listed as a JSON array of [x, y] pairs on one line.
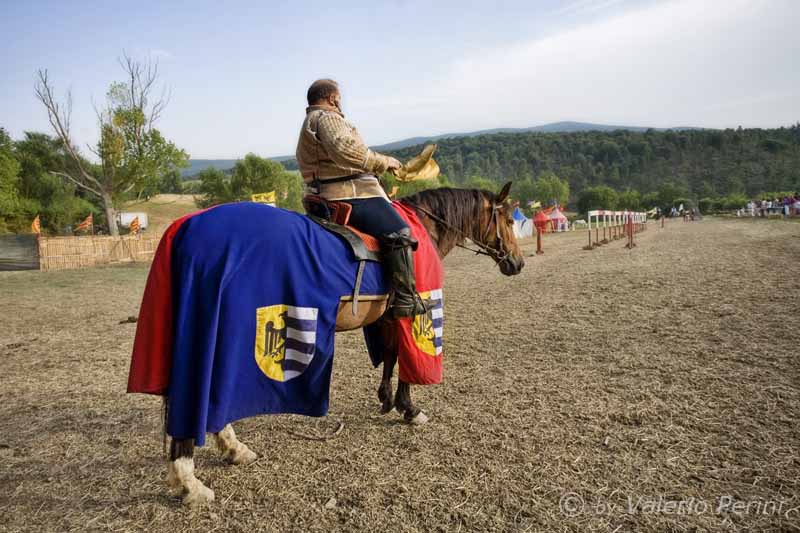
[[453, 216], [501, 243]]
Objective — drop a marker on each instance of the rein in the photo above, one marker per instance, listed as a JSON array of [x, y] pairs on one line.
[[484, 249]]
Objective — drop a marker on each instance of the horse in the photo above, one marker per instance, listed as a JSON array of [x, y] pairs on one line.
[[451, 217]]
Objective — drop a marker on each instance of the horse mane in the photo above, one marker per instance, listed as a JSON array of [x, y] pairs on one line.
[[461, 208]]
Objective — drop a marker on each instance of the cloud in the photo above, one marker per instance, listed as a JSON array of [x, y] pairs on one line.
[[586, 6], [159, 53], [714, 63]]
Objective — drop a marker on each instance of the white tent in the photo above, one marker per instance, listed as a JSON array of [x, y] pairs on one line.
[[523, 226]]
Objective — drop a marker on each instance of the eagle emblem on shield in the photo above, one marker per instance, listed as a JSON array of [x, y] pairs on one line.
[[285, 340]]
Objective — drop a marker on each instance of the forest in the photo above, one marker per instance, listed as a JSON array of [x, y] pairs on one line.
[[691, 164], [712, 169]]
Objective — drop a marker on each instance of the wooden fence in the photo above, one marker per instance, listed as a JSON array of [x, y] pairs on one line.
[[59, 253]]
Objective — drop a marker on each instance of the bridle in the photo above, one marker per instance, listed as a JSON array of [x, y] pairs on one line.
[[500, 254]]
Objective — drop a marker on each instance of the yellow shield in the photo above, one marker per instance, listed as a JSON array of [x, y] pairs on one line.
[[271, 340], [423, 330]]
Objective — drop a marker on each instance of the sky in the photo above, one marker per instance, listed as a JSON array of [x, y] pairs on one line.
[[238, 72]]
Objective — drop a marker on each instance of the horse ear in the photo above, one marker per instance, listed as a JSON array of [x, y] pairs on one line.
[[501, 197]]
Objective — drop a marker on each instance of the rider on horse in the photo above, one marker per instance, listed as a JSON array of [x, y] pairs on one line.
[[337, 165]]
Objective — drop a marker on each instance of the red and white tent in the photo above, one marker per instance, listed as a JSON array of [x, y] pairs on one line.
[[558, 221]]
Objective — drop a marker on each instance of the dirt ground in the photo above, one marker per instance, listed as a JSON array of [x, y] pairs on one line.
[[656, 389]]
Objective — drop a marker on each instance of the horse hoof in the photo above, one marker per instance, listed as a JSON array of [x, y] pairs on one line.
[[419, 419], [244, 457], [386, 407], [200, 496]]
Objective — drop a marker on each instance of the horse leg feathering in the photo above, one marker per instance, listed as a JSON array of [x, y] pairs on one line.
[[232, 450], [180, 473]]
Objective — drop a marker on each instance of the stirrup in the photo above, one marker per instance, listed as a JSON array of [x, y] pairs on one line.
[[420, 306]]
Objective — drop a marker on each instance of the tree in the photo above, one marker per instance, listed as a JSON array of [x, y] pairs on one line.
[[523, 190], [132, 153], [171, 182], [600, 197], [477, 182], [629, 199], [58, 201], [650, 200], [9, 171], [669, 193], [251, 175], [706, 205], [549, 189], [733, 201]]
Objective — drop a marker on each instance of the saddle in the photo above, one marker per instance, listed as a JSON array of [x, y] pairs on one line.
[[333, 217]]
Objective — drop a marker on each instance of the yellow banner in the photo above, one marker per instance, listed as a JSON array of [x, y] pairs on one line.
[[264, 197], [421, 167]]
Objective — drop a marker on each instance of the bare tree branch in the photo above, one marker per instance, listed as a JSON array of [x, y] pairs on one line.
[[76, 182], [59, 118], [158, 107]]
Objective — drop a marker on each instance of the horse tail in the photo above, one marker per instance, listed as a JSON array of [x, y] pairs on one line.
[[164, 412]]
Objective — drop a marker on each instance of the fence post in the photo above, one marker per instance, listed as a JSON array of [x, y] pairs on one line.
[[589, 230], [539, 250], [630, 244]]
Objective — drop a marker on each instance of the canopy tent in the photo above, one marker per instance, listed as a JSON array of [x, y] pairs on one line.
[[557, 220], [523, 226], [541, 221]]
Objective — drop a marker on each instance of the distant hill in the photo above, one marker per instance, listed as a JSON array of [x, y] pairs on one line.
[[700, 163], [554, 127], [198, 165]]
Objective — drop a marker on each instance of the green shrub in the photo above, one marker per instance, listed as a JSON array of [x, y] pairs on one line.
[[707, 205], [734, 201]]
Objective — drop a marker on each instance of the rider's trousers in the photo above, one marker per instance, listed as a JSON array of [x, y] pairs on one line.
[[374, 216]]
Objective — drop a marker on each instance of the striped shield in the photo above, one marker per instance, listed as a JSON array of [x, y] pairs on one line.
[[427, 328], [285, 340]]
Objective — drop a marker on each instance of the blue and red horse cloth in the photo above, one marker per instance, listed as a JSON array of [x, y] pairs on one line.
[[239, 312]]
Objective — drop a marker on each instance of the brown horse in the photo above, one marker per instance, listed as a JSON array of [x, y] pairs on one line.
[[450, 216]]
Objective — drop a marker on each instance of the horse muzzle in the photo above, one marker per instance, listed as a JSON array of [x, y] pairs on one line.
[[511, 266]]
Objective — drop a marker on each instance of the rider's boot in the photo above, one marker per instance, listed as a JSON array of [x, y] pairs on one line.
[[397, 251]]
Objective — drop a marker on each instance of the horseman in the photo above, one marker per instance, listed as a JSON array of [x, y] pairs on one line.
[[337, 165]]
